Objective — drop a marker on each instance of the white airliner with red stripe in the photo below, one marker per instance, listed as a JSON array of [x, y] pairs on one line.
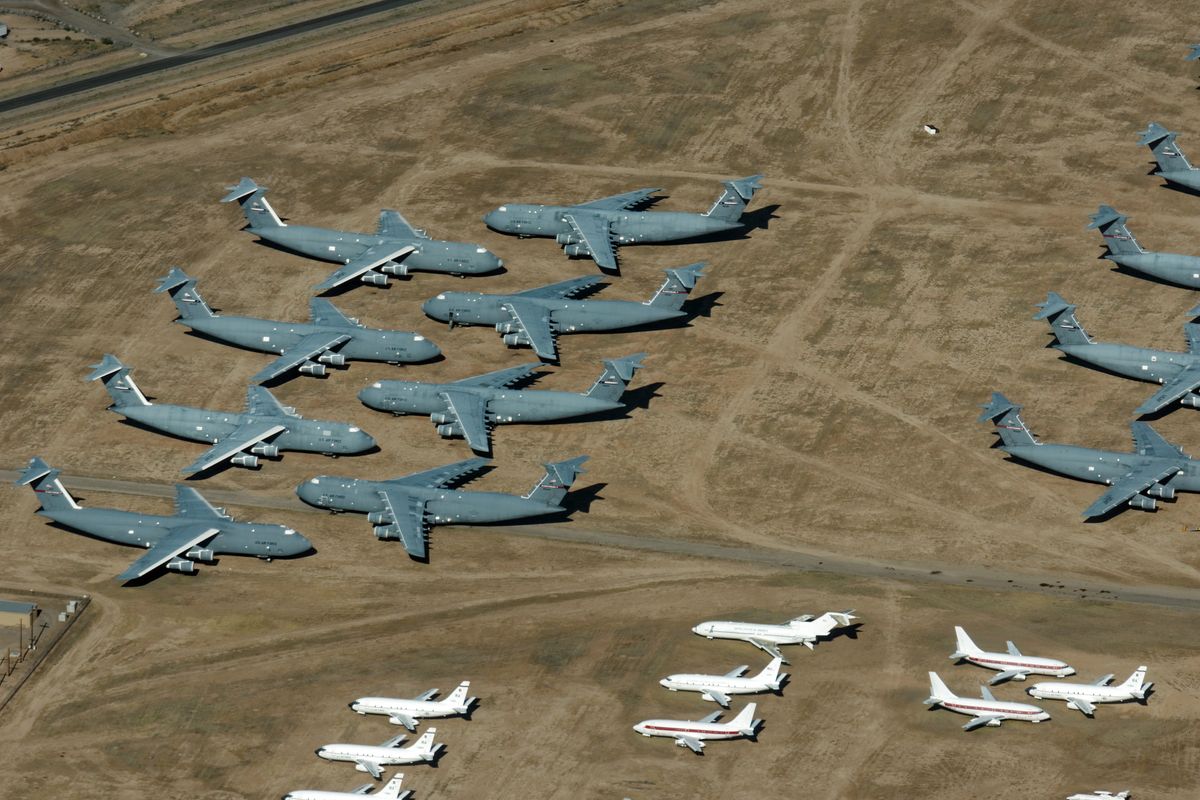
[[985, 711], [693, 734], [1011, 665]]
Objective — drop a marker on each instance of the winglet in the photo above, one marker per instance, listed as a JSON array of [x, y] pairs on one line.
[[1106, 215], [1053, 304], [176, 277], [243, 187], [107, 366], [997, 407], [1193, 54], [688, 275], [1153, 133], [36, 469]]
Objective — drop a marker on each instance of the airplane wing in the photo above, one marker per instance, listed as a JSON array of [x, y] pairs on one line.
[[620, 202], [1133, 484], [720, 698], [563, 289], [471, 412], [593, 233], [981, 720], [535, 322], [713, 717], [1082, 705], [1192, 331], [405, 720], [392, 223], [1148, 442], [369, 767], [502, 378], [364, 789], [177, 541], [323, 312], [737, 672], [427, 695], [690, 742], [770, 647], [449, 476], [1184, 382], [309, 346], [243, 437], [369, 259], [1103, 681], [986, 693], [1012, 649], [261, 402], [190, 503], [408, 515], [1009, 674]]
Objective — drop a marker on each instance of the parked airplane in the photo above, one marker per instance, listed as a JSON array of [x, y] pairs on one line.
[[196, 532], [470, 408], [396, 248], [693, 734], [1173, 165], [266, 428], [1011, 665], [404, 508], [367, 758], [1193, 54], [1178, 373], [595, 229], [329, 340], [1124, 249], [718, 688], [390, 791], [537, 317], [1100, 794], [805, 630], [408, 712], [986, 711], [1085, 696], [1155, 469]]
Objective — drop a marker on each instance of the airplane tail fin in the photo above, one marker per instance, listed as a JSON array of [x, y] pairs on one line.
[[678, 285], [616, 376], [966, 647], [834, 619], [252, 198], [1117, 237], [391, 789], [43, 479], [425, 745], [458, 698], [555, 484], [1006, 416], [1136, 683], [1162, 144], [118, 382], [1061, 317], [732, 202], [771, 675], [182, 288], [745, 722], [938, 690]]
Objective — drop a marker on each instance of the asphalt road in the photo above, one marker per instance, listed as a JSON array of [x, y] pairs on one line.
[[154, 65], [982, 577]]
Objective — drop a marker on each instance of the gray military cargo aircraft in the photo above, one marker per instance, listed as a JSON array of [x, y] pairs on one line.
[[1173, 165], [330, 339], [196, 532], [1155, 469], [396, 248], [595, 229], [266, 428], [536, 317], [1179, 373], [1124, 249], [404, 508], [471, 407]]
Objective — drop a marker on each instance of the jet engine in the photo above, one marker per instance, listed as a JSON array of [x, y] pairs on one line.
[[200, 554], [313, 368], [244, 460], [387, 532], [380, 518], [267, 450], [374, 278], [1161, 490], [182, 565], [1191, 400], [516, 340], [450, 431], [509, 327], [441, 419], [332, 359], [392, 268], [566, 239], [1143, 502], [577, 250]]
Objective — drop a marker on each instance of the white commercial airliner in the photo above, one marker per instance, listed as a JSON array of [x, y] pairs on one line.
[[693, 734], [805, 630], [1085, 696], [1100, 795], [985, 711], [409, 712], [1012, 664], [371, 759], [718, 688], [390, 791]]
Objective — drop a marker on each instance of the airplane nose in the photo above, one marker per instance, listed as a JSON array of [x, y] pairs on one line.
[[665, 682], [1070, 671], [365, 441], [370, 397]]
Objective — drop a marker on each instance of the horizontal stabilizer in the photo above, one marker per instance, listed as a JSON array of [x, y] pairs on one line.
[[175, 277], [36, 469], [625, 367], [1153, 133], [107, 366], [688, 275], [246, 186], [998, 406], [746, 187], [1052, 306], [1106, 215]]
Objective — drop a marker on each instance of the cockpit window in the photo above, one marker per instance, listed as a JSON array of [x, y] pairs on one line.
[[288, 532], [315, 481], [353, 429], [480, 249], [441, 297], [375, 385], [417, 338], [503, 208]]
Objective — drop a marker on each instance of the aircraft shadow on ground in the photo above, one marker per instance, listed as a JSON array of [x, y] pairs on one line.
[[849, 631], [692, 309]]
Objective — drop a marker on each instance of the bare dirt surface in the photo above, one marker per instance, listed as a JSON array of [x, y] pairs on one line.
[[827, 404]]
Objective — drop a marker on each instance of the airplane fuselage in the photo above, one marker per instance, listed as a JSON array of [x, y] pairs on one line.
[[1174, 268], [675, 728], [383, 756], [1031, 665], [1099, 466], [275, 336], [203, 425], [1185, 177], [442, 506], [503, 405], [977, 708], [715, 683], [777, 634], [1092, 693], [417, 709], [429, 255], [1139, 363], [566, 316], [625, 227]]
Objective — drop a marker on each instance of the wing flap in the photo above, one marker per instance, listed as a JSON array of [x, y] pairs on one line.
[[620, 202], [502, 378], [471, 412], [594, 233], [177, 541], [408, 515], [456, 474], [370, 258], [563, 289], [243, 437], [309, 346], [535, 322]]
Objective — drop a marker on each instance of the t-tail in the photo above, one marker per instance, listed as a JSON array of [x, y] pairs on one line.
[[1162, 144], [1061, 317], [1006, 416], [458, 699], [744, 722], [555, 484], [1117, 237], [251, 197], [616, 377], [1136, 683], [118, 382], [732, 202], [833, 619], [182, 289], [771, 676], [43, 479], [391, 789], [939, 692], [676, 288], [966, 647]]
